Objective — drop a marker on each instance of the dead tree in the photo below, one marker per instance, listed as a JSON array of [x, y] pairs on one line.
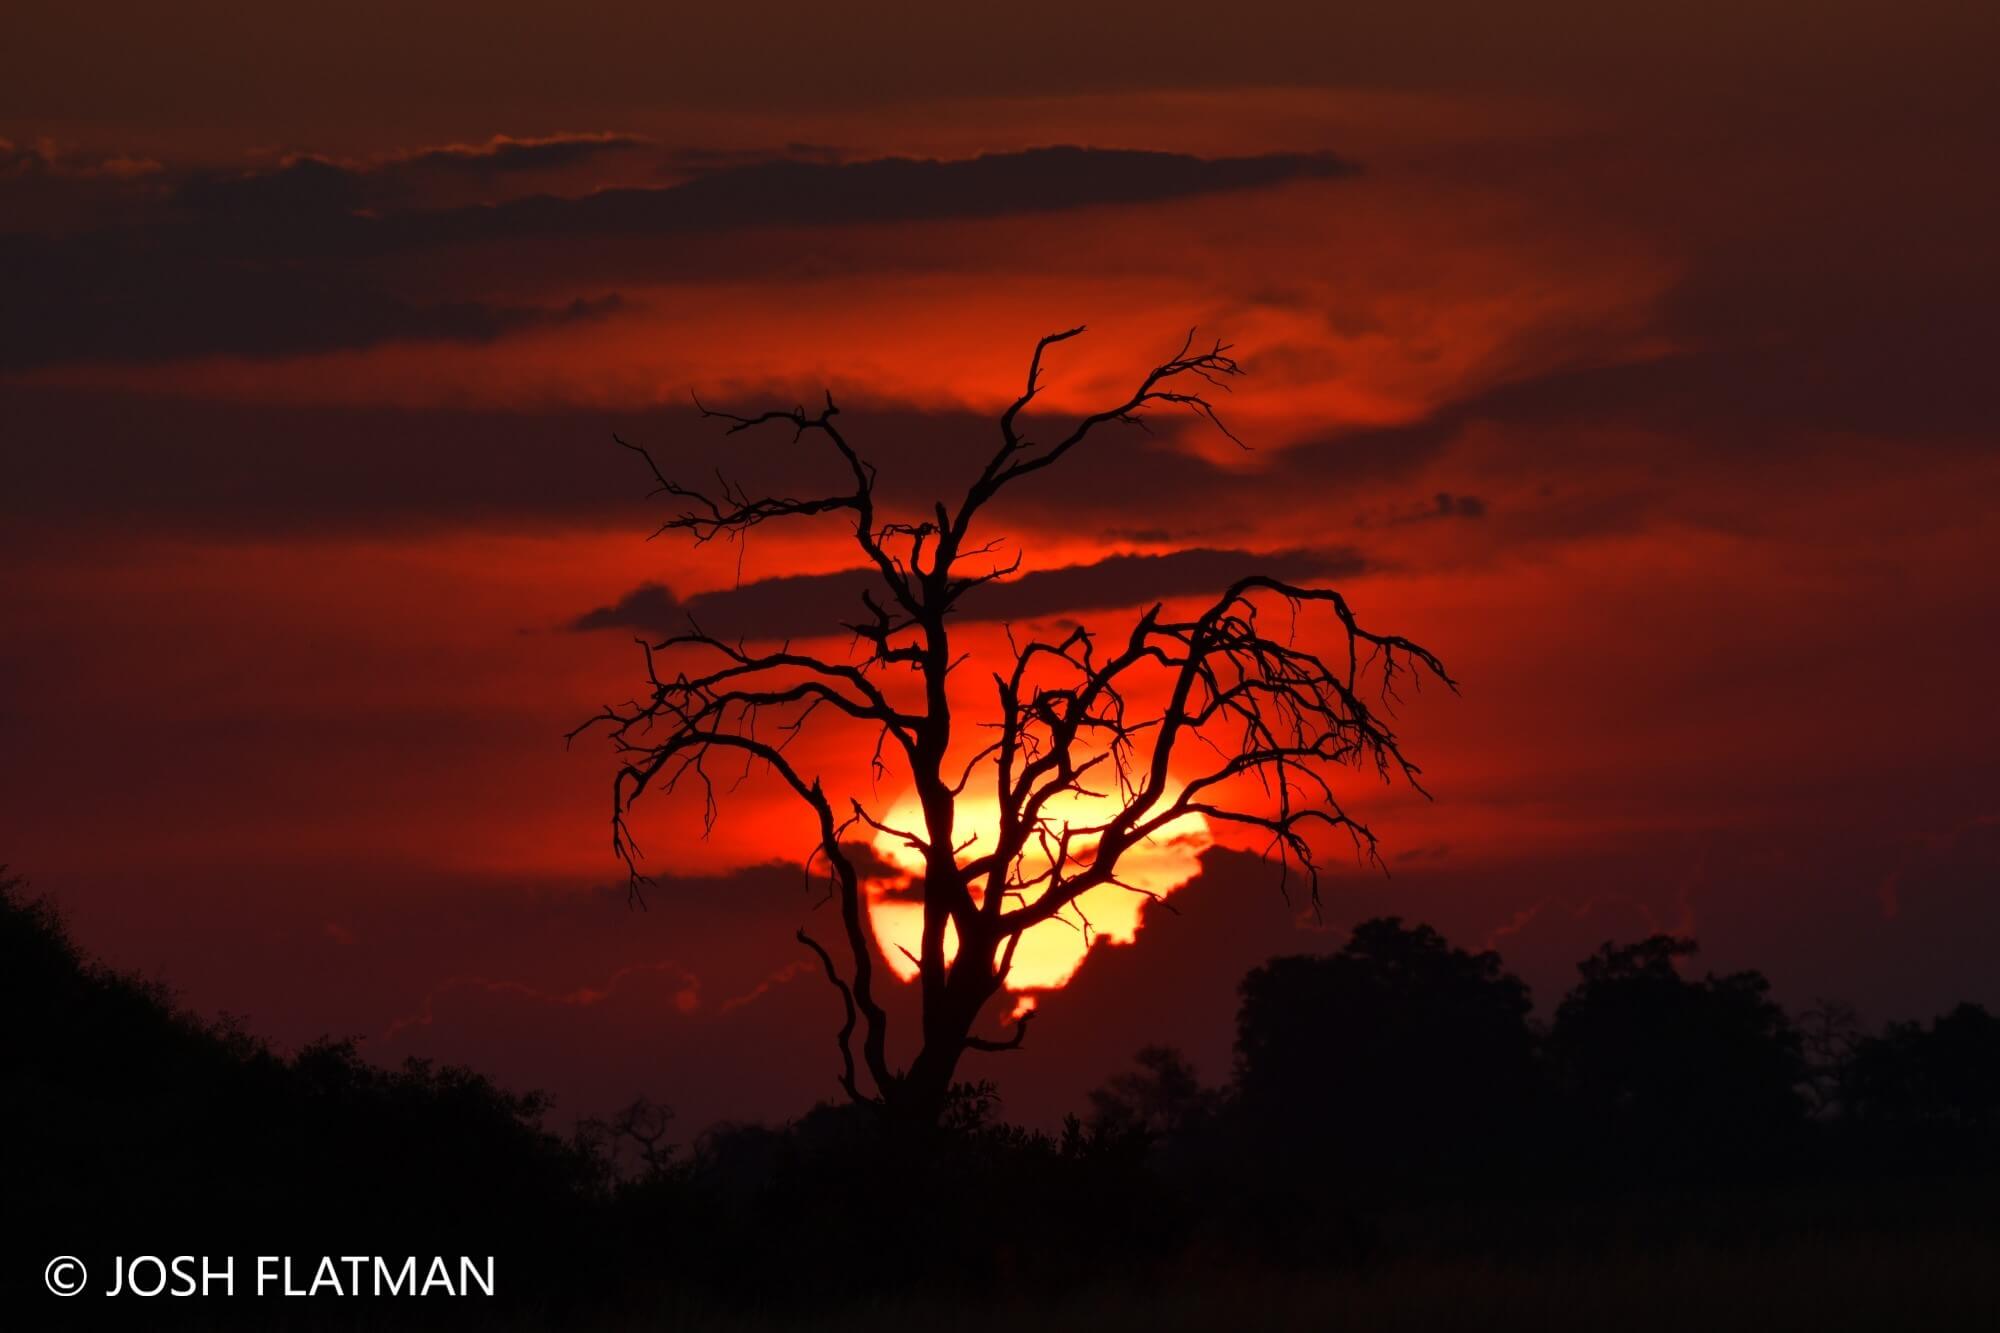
[[1271, 724]]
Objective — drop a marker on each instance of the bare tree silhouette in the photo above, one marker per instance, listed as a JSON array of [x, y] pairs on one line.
[[1271, 721]]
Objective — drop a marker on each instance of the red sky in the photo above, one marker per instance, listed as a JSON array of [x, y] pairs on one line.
[[1635, 359]]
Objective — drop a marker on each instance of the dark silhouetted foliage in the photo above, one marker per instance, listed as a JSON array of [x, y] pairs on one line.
[[132, 1126], [1929, 1095], [1662, 1075], [1392, 1107], [1162, 1098], [1946, 1076], [1398, 1059]]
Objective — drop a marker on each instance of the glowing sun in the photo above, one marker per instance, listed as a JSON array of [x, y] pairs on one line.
[[1049, 953]]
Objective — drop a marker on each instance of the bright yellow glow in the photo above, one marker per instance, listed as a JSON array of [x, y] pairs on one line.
[[1050, 953]]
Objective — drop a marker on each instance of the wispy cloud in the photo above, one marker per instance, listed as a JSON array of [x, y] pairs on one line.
[[808, 605]]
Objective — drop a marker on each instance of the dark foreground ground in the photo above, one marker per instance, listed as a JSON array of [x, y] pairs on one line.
[[1868, 1282], [1864, 1282]]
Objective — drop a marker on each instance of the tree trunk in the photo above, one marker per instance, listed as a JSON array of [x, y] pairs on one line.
[[923, 1093]]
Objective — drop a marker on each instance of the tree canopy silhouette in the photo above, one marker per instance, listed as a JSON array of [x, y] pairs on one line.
[[1400, 1054], [1269, 723], [1929, 1095], [1669, 1074]]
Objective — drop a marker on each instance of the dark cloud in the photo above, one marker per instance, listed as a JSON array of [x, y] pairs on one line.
[[45, 187], [302, 190], [680, 162], [273, 262], [1459, 506], [323, 193], [169, 462], [789, 191], [807, 605], [1442, 505], [1736, 391], [321, 199], [49, 159], [1771, 354], [224, 266], [884, 190], [1126, 580], [159, 461], [1124, 471], [501, 153], [104, 299]]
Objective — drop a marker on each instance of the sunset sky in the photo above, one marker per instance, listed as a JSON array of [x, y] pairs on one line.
[[1638, 360]]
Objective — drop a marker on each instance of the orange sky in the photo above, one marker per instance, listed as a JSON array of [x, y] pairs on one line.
[[1639, 370]]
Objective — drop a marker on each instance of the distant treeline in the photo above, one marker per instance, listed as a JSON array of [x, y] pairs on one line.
[[1391, 1098], [1402, 1064]]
